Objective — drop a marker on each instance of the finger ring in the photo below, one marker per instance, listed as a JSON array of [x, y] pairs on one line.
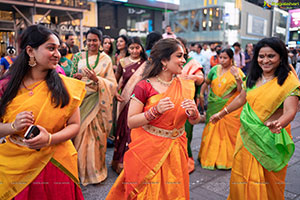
[[22, 120]]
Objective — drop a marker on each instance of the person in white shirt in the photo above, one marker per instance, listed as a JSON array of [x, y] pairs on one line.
[[239, 57], [168, 33]]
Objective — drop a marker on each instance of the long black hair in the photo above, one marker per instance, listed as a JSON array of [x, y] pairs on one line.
[[152, 38], [33, 36], [137, 40], [282, 71], [162, 50]]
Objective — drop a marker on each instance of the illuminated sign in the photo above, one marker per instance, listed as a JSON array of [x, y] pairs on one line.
[[295, 18]]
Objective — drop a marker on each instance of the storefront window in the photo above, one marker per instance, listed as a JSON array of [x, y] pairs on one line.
[[139, 20]]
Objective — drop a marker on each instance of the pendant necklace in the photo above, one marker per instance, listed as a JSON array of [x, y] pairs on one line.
[[31, 89], [96, 62], [264, 80], [166, 83]]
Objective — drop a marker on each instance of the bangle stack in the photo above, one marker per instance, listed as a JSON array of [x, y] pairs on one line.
[[152, 113]]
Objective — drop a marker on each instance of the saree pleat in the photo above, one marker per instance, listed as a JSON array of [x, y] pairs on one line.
[[260, 173], [156, 167], [218, 140]]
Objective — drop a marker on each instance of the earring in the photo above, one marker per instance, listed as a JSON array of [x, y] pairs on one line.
[[32, 62], [164, 68]]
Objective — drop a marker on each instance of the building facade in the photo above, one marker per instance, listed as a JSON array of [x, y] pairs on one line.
[[226, 22], [133, 17], [59, 15]]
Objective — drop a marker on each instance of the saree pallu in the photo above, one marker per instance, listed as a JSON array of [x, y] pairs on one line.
[[132, 74], [191, 67], [261, 157], [19, 165], [96, 118], [218, 140], [155, 167]]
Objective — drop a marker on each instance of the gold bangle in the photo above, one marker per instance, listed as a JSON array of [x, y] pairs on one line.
[[12, 125], [225, 109], [50, 139]]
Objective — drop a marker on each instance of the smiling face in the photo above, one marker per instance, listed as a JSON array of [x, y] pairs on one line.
[[176, 62], [121, 44], [93, 42], [106, 45], [47, 54], [268, 60], [225, 60], [135, 50]]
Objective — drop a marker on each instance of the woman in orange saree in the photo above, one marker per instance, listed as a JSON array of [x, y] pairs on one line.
[[264, 145], [218, 140], [33, 93], [155, 166]]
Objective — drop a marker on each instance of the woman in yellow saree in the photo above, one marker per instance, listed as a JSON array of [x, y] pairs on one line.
[[218, 140], [95, 69], [264, 145], [155, 166], [32, 93]]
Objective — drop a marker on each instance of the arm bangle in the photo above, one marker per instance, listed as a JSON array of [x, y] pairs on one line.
[[49, 139], [12, 125], [225, 109]]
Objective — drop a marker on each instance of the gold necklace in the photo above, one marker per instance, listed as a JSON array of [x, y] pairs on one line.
[[166, 83], [134, 61], [31, 89]]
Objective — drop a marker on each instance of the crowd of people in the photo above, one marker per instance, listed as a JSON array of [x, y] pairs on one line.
[[144, 101]]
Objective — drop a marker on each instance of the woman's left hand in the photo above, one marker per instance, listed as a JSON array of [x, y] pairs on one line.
[[40, 141], [274, 126], [234, 71], [190, 107], [91, 74]]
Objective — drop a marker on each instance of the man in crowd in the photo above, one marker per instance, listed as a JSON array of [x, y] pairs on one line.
[[168, 33], [70, 40], [239, 57]]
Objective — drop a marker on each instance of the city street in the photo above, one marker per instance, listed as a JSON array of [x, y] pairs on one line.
[[206, 184]]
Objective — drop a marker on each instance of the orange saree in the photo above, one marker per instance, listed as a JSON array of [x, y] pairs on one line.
[[155, 166]]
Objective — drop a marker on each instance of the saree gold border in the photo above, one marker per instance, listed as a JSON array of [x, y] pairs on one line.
[[63, 169], [151, 174]]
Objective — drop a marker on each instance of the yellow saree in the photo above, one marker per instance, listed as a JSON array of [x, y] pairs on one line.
[[260, 165], [155, 167], [218, 140], [96, 117], [19, 165]]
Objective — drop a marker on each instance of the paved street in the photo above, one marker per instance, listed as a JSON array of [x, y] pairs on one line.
[[206, 184]]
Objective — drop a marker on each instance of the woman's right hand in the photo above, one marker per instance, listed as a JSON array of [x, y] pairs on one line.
[[119, 97], [23, 120], [215, 118], [164, 105], [77, 76]]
